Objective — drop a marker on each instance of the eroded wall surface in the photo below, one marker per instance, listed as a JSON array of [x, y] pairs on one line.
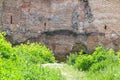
[[63, 25]]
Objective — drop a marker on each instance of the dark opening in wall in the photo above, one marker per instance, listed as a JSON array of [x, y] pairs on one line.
[[44, 24], [105, 27], [11, 20], [85, 0]]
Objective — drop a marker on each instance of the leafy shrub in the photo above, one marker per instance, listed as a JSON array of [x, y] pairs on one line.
[[21, 62], [99, 60], [98, 66], [101, 65], [5, 47], [35, 53], [84, 62], [100, 54]]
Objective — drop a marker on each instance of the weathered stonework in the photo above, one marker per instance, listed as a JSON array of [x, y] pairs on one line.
[[63, 25]]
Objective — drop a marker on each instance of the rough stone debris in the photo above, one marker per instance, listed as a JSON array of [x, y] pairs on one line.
[[62, 25]]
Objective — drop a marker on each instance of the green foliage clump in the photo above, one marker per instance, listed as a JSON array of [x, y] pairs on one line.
[[96, 61], [35, 53], [102, 64], [5, 47], [103, 58], [22, 62], [84, 62]]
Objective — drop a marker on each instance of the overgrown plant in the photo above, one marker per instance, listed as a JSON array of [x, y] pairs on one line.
[[35, 52], [5, 47], [71, 58], [102, 64], [94, 62], [22, 62]]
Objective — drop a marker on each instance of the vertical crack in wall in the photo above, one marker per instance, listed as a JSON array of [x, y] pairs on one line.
[[85, 16], [75, 20], [89, 15]]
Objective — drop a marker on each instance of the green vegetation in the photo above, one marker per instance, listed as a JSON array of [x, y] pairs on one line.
[[26, 62], [101, 65], [23, 62]]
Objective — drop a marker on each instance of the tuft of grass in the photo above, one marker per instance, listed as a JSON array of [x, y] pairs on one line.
[[111, 72]]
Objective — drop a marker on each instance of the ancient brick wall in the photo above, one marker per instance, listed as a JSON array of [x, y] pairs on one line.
[[63, 25]]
